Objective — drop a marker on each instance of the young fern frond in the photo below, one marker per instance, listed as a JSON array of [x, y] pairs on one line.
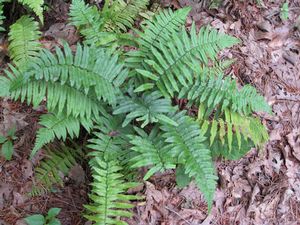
[[150, 108], [108, 193], [186, 143], [36, 6], [151, 151], [59, 127], [24, 43], [48, 173]]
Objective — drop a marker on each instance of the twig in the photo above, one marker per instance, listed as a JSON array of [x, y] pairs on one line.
[[178, 215]]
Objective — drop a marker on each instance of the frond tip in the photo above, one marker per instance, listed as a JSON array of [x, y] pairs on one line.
[[36, 6], [58, 127]]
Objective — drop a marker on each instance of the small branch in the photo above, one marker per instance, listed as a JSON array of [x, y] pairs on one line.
[[178, 215]]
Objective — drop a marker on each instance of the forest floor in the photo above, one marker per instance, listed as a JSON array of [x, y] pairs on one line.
[[261, 188]]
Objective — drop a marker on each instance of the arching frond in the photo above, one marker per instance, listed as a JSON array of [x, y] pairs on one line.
[[186, 143], [225, 112], [175, 63], [59, 127]]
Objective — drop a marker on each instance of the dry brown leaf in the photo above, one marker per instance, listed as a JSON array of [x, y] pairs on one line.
[[5, 192], [62, 31], [77, 174]]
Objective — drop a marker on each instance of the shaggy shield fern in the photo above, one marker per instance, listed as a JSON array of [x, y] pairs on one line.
[[127, 101]]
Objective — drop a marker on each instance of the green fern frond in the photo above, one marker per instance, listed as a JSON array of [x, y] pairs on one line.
[[156, 32], [83, 15], [150, 108], [175, 63], [106, 144], [36, 6], [87, 19], [58, 127], [23, 41], [108, 193], [225, 112], [110, 139], [57, 162], [161, 28], [122, 14], [92, 24], [186, 143], [61, 99], [214, 91], [90, 69], [151, 151], [65, 79]]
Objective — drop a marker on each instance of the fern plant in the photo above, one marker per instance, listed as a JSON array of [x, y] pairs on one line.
[[126, 101]]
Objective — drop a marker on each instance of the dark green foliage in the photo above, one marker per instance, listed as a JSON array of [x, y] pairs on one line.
[[53, 168], [172, 65], [186, 144]]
